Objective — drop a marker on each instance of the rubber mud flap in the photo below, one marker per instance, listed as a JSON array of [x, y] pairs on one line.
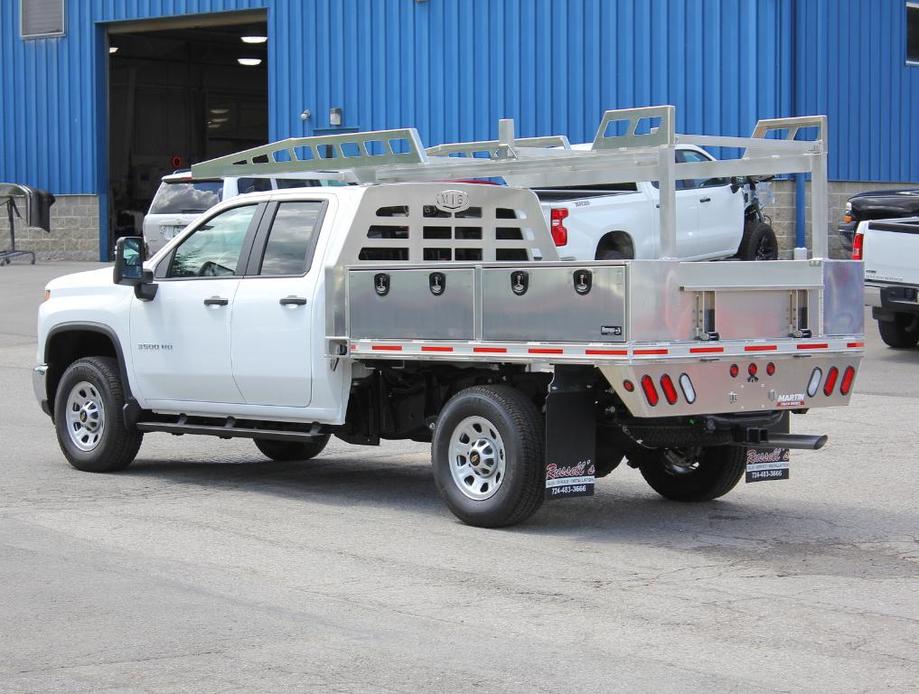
[[571, 432]]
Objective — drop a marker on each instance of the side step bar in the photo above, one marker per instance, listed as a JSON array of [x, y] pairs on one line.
[[228, 430]]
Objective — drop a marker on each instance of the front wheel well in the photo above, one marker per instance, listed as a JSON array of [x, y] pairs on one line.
[[64, 347], [616, 241]]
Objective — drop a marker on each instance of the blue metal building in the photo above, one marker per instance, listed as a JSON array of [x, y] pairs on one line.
[[453, 67]]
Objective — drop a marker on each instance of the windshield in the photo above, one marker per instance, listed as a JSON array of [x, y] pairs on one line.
[[186, 197]]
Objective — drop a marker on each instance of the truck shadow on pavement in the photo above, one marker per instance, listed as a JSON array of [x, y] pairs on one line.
[[790, 534]]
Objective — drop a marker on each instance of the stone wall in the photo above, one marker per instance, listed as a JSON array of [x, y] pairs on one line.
[[783, 211], [74, 231]]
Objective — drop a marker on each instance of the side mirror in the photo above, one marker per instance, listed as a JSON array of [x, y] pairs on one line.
[[130, 254]]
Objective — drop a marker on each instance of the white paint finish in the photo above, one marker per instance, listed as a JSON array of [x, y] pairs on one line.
[[197, 366], [271, 350]]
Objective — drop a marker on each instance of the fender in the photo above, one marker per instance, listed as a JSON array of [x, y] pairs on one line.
[[131, 411]]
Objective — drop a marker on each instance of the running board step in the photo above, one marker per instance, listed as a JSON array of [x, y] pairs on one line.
[[228, 430]]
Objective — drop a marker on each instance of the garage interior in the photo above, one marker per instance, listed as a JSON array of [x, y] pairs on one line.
[[180, 91]]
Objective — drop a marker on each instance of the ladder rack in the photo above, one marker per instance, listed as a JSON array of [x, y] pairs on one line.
[[630, 145]]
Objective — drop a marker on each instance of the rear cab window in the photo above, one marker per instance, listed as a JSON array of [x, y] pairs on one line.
[[292, 238], [186, 197]]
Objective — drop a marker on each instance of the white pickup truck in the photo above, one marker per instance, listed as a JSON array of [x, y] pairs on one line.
[[890, 252], [410, 308], [717, 217]]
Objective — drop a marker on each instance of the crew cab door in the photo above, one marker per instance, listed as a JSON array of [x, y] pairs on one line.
[[275, 308], [720, 211], [180, 341]]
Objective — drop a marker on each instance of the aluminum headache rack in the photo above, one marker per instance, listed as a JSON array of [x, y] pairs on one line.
[[630, 145]]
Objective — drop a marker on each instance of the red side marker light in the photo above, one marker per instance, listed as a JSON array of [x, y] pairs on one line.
[[628, 385], [734, 370], [770, 368], [752, 369]]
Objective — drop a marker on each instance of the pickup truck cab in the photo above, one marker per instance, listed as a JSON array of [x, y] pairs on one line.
[[890, 251], [621, 220]]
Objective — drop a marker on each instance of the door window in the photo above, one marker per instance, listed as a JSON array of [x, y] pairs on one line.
[[693, 157], [292, 238], [213, 249]]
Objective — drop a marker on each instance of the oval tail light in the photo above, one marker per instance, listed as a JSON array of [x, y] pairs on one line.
[[848, 376], [686, 386], [831, 376], [647, 385], [669, 389], [814, 383]]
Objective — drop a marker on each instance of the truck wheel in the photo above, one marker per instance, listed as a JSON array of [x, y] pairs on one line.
[[611, 255], [693, 473], [759, 243], [283, 451], [87, 416], [900, 332], [488, 456]]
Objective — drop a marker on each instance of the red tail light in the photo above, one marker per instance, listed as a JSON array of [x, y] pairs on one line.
[[647, 385], [830, 383], [668, 388], [858, 246], [847, 377], [559, 232]]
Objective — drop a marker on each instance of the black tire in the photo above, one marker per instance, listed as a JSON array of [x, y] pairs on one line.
[[713, 471], [519, 425], [611, 254], [759, 243], [901, 332], [113, 446], [284, 451]]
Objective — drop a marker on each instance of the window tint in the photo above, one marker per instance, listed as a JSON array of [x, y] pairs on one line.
[[186, 197], [290, 240], [253, 185], [213, 249], [690, 156]]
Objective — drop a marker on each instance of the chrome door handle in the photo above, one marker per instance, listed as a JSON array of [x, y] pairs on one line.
[[216, 301], [292, 301], [705, 199]]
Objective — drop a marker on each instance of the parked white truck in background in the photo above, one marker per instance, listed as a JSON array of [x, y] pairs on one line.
[[717, 218], [890, 252], [413, 307]]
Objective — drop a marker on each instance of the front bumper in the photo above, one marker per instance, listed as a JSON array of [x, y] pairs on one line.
[[40, 386]]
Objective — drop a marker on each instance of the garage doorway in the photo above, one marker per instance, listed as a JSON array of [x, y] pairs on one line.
[[180, 91]]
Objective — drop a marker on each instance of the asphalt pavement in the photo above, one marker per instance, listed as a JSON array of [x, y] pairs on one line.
[[205, 567]]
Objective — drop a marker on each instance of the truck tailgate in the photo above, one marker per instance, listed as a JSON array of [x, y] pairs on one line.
[[891, 252]]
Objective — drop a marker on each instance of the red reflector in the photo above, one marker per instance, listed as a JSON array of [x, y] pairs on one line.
[[705, 350], [770, 368], [647, 385], [858, 246], [386, 348], [628, 385], [559, 232], [760, 348], [546, 350], [855, 345], [669, 390], [734, 370], [847, 377], [751, 369], [489, 350], [830, 382], [435, 348]]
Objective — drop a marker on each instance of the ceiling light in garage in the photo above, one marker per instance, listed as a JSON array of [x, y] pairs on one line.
[[213, 126], [249, 62], [112, 50], [219, 120], [254, 39], [219, 111]]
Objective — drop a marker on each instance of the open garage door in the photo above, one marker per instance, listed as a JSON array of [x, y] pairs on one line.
[[181, 90]]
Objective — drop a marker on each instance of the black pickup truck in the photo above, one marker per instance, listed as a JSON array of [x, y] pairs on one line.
[[876, 204]]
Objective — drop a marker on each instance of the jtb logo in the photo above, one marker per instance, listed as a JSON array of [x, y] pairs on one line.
[[451, 200]]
